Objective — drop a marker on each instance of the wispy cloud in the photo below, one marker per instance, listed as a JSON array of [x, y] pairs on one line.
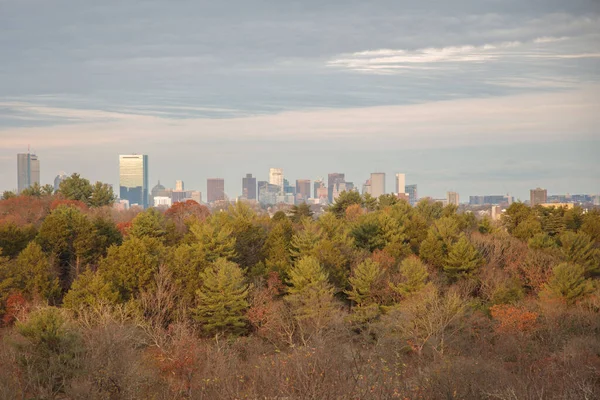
[[398, 61]]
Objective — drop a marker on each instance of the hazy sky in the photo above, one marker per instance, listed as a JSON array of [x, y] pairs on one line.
[[476, 96]]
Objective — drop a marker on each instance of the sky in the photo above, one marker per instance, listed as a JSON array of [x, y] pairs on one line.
[[474, 96]]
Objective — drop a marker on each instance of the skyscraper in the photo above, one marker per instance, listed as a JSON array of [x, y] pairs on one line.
[[249, 187], [413, 197], [400, 183], [59, 178], [538, 196], [215, 189], [333, 179], [179, 186], [276, 178], [303, 189], [452, 198], [316, 186], [133, 179], [28, 171], [377, 184]]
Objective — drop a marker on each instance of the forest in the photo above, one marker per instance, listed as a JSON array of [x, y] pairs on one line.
[[375, 299]]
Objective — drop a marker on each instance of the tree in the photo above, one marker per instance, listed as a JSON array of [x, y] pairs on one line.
[[13, 239], [343, 201], [7, 194], [311, 297], [568, 283], [149, 223], [301, 211], [101, 195], [69, 236], [579, 248], [75, 187], [130, 268], [222, 299], [49, 353], [90, 290], [440, 238], [36, 190], [387, 200], [38, 277], [213, 239], [463, 259], [184, 212], [364, 278], [414, 276]]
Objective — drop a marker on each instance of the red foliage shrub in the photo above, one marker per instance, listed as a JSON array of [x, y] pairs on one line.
[[16, 307]]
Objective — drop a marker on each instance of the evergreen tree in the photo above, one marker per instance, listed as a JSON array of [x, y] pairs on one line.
[[343, 201], [414, 276], [101, 195], [213, 239], [365, 276], [222, 299], [463, 259], [150, 223], [37, 276], [568, 282], [298, 212], [90, 290], [13, 239], [311, 297], [76, 188], [578, 248]]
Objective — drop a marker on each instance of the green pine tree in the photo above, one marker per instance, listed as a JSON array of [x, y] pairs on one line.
[[365, 276], [568, 282], [578, 248], [222, 299], [463, 259], [414, 276]]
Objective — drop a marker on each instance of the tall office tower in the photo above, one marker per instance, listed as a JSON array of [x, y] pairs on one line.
[[411, 190], [276, 178], [249, 187], [316, 186], [28, 171], [377, 184], [133, 179], [287, 188], [452, 198], [366, 187], [400, 183], [59, 178], [303, 189], [538, 196], [333, 180], [215, 189], [179, 186]]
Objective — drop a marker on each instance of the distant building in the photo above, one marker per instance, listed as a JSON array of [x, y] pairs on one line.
[[400, 183], [490, 200], [28, 171], [288, 189], [162, 201], [568, 206], [194, 195], [276, 178], [366, 187], [411, 191], [332, 180], [58, 179], [249, 187], [496, 212], [215, 189], [377, 184], [316, 186], [133, 179], [538, 196], [179, 186], [302, 189], [159, 191], [267, 193], [339, 188], [452, 198]]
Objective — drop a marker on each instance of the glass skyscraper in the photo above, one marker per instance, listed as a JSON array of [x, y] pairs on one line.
[[28, 171], [133, 179]]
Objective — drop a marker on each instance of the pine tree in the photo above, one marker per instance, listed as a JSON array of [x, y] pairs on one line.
[[568, 282], [150, 223], [414, 276], [214, 240], [578, 248], [365, 276], [38, 276], [463, 259], [311, 296], [222, 299]]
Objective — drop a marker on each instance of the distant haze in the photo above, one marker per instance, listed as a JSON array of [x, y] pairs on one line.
[[474, 96]]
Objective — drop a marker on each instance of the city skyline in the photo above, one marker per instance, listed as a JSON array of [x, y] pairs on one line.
[[394, 177], [507, 102]]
